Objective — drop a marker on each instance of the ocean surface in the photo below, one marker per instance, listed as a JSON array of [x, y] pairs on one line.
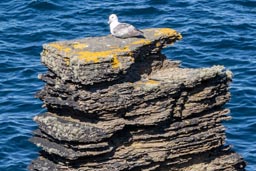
[[220, 32]]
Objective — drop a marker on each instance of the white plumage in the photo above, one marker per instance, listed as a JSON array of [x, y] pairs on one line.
[[122, 30]]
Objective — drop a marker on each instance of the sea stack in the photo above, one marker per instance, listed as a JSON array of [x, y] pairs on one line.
[[119, 104]]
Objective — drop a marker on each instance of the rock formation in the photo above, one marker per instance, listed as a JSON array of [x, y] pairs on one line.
[[119, 104]]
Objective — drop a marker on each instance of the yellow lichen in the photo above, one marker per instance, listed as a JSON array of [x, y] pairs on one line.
[[158, 44], [60, 47], [67, 60], [148, 83], [77, 49], [142, 41], [78, 45], [152, 82], [89, 56], [115, 62], [165, 31]]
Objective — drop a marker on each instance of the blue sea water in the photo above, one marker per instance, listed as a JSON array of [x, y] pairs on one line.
[[220, 32]]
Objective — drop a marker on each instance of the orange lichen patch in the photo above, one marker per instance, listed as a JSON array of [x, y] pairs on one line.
[[148, 83], [60, 47], [89, 56], [77, 45], [67, 60], [152, 82], [115, 62], [165, 31], [158, 44], [142, 41]]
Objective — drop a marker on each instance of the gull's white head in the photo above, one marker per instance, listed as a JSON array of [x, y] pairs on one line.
[[112, 18]]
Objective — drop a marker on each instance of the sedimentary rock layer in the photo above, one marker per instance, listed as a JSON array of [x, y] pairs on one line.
[[119, 104]]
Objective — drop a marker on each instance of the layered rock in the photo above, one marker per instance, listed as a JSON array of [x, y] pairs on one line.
[[119, 104]]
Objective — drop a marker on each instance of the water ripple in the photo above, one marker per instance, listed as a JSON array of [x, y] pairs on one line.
[[214, 32]]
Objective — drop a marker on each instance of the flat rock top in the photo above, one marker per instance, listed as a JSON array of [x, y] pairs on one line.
[[93, 48], [99, 59]]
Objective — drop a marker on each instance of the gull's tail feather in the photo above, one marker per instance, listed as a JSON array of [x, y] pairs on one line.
[[140, 34]]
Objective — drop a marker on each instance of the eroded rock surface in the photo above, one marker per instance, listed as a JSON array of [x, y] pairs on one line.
[[119, 104]]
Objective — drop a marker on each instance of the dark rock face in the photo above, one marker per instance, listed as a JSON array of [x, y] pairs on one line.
[[119, 104]]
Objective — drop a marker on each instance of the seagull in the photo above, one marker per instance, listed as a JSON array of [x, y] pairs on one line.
[[122, 30]]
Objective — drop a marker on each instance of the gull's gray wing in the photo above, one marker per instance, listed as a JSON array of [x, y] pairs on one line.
[[125, 30]]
